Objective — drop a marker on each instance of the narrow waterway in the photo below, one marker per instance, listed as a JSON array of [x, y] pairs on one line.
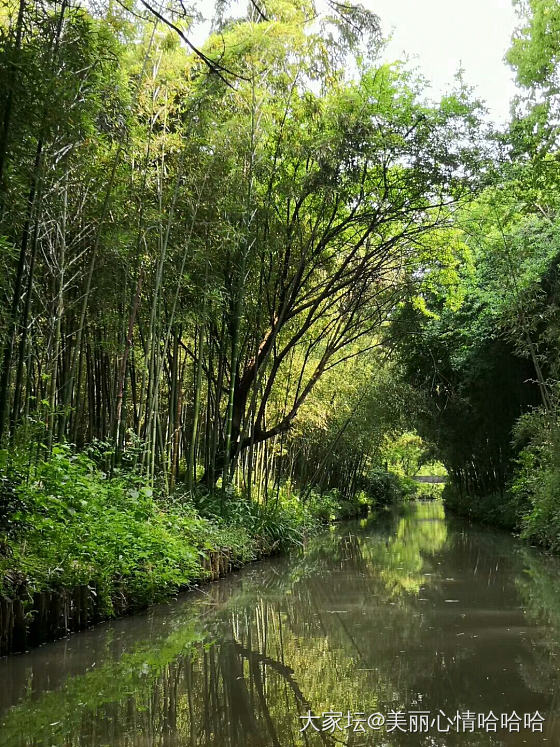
[[409, 628]]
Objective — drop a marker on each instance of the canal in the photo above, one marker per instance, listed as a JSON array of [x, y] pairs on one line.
[[410, 628]]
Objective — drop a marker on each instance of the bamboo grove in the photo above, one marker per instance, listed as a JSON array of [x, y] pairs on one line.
[[200, 251]]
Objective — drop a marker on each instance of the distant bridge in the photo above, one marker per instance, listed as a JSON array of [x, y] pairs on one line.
[[431, 479]]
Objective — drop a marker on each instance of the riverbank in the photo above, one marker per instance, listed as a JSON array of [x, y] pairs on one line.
[[493, 510], [29, 620], [82, 547], [535, 524]]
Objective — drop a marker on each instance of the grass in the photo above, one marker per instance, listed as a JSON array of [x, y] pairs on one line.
[[66, 523]]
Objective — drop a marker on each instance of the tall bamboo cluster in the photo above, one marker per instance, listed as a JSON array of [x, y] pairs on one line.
[[184, 256]]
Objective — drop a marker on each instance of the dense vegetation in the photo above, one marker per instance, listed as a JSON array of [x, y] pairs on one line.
[[484, 353], [241, 283]]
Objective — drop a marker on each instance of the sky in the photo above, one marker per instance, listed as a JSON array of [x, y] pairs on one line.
[[442, 35]]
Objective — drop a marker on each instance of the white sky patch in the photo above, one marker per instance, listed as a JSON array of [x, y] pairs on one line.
[[441, 36]]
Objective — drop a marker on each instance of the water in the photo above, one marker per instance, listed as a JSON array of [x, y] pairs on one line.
[[409, 612]]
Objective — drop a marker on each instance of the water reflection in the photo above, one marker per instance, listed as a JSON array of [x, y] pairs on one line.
[[408, 612]]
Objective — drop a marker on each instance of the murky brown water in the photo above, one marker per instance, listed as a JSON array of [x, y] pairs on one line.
[[404, 614]]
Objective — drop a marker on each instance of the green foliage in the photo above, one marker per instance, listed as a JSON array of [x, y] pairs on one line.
[[286, 518], [67, 523], [496, 509], [202, 283], [405, 453], [384, 488], [535, 49], [535, 486], [279, 523], [482, 351], [77, 526]]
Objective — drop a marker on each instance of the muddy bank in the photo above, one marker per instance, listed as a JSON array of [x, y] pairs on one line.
[[30, 620]]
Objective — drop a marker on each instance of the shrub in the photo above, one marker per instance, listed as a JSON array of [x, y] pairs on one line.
[[76, 526], [497, 509], [536, 485], [66, 522], [385, 488]]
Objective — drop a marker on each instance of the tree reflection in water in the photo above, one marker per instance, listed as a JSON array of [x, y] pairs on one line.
[[407, 612]]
